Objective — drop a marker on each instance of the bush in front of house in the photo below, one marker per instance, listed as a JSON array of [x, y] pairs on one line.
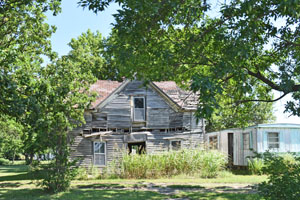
[[256, 165], [186, 161], [283, 177]]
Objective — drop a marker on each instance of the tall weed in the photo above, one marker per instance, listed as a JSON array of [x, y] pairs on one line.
[[186, 161], [256, 165]]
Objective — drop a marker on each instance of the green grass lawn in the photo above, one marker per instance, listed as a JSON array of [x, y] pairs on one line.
[[16, 183]]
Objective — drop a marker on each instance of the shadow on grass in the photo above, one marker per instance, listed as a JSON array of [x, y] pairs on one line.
[[241, 172], [8, 184], [104, 185], [79, 194], [18, 177], [13, 168], [18, 172], [186, 187], [213, 196]]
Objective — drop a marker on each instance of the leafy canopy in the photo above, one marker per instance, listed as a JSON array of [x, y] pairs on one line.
[[249, 49], [48, 101], [88, 50]]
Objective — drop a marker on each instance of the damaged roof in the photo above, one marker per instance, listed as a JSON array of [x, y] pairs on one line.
[[184, 99], [103, 88]]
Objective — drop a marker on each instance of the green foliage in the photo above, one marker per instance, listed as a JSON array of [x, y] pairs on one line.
[[65, 97], [243, 52], [256, 165], [24, 38], [241, 115], [48, 101], [4, 161], [207, 164], [283, 177], [81, 174], [58, 174], [88, 50], [10, 134]]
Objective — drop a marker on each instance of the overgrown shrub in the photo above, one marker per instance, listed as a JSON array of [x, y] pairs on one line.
[[186, 161], [283, 177], [256, 165], [81, 174], [57, 178], [4, 161], [58, 173]]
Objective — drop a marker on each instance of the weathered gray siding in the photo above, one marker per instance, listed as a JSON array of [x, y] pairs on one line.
[[162, 124]]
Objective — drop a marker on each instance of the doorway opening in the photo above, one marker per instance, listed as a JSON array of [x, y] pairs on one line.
[[137, 148], [230, 149]]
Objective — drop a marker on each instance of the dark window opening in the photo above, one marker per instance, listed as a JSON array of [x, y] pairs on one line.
[[86, 131], [175, 145], [163, 130], [137, 148], [95, 130]]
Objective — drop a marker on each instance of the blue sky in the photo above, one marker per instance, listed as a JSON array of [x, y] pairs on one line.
[[74, 20]]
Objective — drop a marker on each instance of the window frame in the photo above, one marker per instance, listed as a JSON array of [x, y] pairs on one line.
[[94, 153], [171, 146], [216, 146], [144, 104], [248, 145], [268, 141]]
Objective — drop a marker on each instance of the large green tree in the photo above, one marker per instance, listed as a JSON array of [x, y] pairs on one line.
[[48, 100], [24, 39], [252, 46], [88, 50], [61, 95]]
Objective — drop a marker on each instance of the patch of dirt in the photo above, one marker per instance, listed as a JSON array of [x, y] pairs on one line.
[[174, 189]]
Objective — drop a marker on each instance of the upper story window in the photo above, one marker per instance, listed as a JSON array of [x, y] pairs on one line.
[[139, 109], [273, 140]]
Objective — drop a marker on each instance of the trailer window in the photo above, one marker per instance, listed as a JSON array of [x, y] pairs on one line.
[[213, 142], [273, 140], [246, 141]]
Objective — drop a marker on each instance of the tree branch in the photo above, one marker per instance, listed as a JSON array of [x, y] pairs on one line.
[[260, 100], [261, 77]]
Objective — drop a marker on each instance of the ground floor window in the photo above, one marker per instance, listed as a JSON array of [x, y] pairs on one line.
[[273, 140], [213, 142], [175, 145], [100, 153], [246, 141]]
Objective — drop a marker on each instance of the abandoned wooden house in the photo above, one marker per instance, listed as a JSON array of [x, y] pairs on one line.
[[133, 118], [240, 144]]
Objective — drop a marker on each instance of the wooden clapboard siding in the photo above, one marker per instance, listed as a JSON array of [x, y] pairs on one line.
[[81, 149], [175, 119], [164, 122]]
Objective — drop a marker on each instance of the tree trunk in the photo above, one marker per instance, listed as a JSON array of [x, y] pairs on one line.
[[13, 157]]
